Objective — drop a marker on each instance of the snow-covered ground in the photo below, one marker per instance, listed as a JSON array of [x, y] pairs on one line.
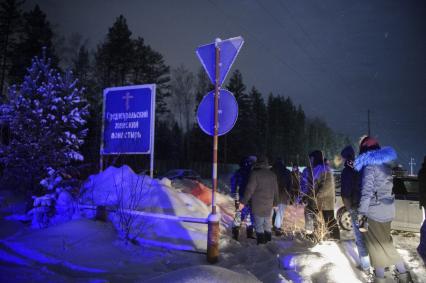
[[85, 250]]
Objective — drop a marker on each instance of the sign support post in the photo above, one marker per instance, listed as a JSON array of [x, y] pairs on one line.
[[217, 59], [216, 127], [213, 222]]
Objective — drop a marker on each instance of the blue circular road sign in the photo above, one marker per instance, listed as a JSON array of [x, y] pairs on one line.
[[228, 112]]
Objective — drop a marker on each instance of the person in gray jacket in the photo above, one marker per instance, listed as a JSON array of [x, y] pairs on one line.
[[377, 206], [262, 189]]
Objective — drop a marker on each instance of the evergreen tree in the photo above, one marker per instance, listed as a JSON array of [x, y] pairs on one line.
[[47, 125], [149, 67], [83, 70], [36, 35], [114, 57], [259, 117], [299, 136], [81, 65], [238, 142], [10, 20]]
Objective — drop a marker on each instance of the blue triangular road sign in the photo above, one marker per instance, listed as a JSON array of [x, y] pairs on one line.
[[229, 49]]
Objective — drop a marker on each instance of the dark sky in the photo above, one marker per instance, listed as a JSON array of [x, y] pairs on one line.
[[337, 58]]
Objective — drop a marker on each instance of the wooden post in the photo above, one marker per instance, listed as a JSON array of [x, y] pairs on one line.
[[213, 223]]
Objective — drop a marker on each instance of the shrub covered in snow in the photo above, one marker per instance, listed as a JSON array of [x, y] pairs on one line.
[[43, 211], [47, 125], [66, 187]]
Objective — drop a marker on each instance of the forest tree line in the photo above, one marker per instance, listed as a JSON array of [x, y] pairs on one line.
[[269, 124]]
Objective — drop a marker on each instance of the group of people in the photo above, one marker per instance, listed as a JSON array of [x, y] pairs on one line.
[[262, 194]]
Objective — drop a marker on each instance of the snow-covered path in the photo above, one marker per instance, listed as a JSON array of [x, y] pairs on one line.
[[87, 251]]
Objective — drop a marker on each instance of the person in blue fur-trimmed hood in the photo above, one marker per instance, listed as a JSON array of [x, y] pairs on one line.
[[377, 205]]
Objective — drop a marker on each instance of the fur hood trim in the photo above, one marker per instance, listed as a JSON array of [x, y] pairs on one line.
[[375, 157]]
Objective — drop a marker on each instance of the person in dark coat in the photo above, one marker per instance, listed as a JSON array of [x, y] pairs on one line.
[[351, 194], [377, 205], [284, 187], [422, 193], [262, 189], [239, 182]]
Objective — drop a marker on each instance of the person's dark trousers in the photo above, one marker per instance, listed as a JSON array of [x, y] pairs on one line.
[[268, 236], [250, 232], [260, 237], [235, 233], [274, 214], [331, 223]]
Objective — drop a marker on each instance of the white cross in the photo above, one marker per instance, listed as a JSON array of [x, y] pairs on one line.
[[127, 97]]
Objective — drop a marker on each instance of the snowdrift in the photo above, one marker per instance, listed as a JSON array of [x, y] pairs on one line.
[[121, 188]]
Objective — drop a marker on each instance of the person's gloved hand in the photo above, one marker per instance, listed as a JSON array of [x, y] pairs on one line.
[[237, 204], [363, 223]]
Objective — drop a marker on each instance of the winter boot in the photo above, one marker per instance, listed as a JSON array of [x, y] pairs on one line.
[[268, 236], [278, 232], [250, 232], [235, 233], [404, 277], [260, 238]]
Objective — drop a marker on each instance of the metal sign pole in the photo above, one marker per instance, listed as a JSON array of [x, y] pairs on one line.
[[151, 163], [216, 127], [213, 221], [101, 153]]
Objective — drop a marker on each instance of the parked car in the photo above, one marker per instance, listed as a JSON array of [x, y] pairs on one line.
[[408, 214], [182, 174]]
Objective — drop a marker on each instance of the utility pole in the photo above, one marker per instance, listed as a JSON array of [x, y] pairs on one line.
[[368, 121], [412, 163]]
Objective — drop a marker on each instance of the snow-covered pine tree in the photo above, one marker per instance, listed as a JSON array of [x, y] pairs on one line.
[[47, 125]]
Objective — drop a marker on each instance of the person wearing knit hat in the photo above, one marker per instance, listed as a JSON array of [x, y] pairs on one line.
[[422, 191], [377, 206], [350, 192], [367, 144]]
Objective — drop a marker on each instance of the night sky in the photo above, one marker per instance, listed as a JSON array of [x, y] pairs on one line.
[[337, 58]]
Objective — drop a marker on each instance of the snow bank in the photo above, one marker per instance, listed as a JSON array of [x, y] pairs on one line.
[[121, 188]]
